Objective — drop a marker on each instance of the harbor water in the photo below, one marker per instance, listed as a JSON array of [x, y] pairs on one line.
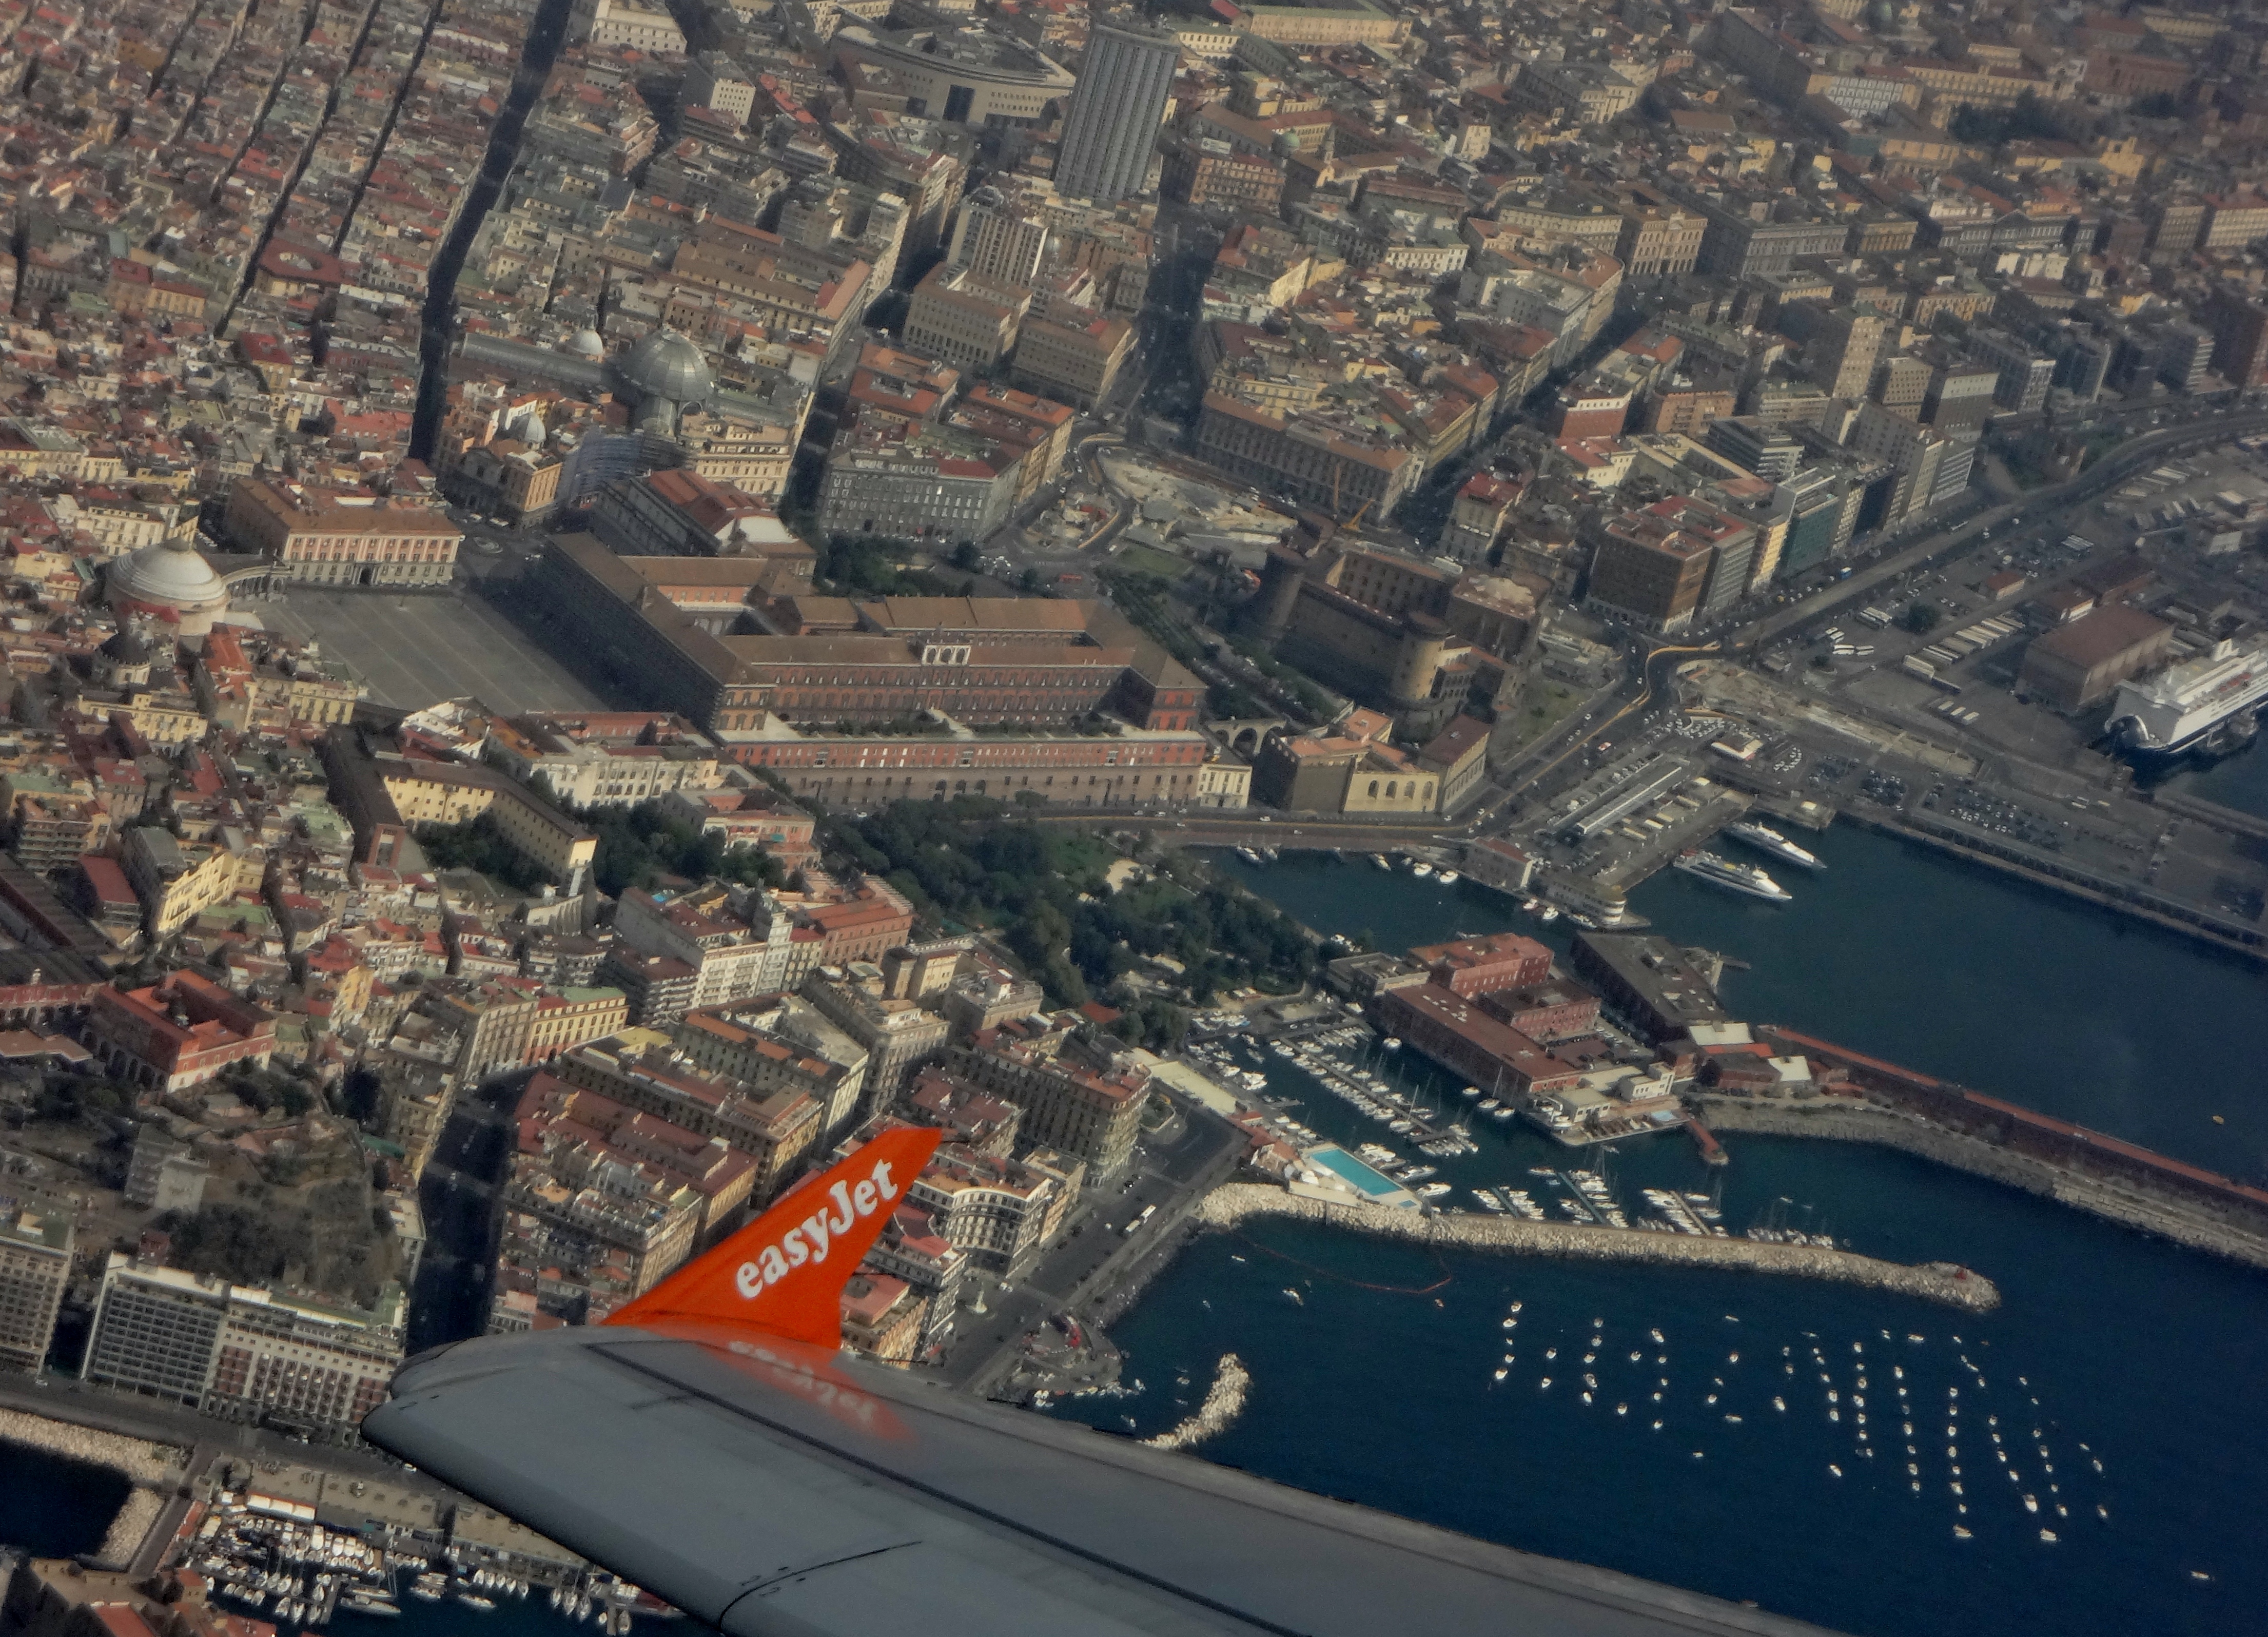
[[50, 1507], [1374, 1365]]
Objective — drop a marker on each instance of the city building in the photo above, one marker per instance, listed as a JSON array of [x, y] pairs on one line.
[[1110, 131], [1090, 1111], [241, 1351], [2080, 665], [36, 1241], [178, 1033], [311, 537]]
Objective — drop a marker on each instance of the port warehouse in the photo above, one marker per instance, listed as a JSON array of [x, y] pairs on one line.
[[2058, 1143]]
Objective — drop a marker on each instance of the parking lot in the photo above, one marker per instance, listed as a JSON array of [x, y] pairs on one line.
[[416, 650]]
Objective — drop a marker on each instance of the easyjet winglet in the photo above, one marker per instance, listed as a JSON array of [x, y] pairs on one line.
[[784, 1273]]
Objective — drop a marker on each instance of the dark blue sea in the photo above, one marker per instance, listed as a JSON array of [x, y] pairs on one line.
[[1721, 1448]]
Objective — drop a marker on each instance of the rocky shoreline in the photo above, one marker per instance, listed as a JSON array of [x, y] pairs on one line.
[[1936, 1281]]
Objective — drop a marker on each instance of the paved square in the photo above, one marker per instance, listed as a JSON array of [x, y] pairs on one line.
[[413, 650]]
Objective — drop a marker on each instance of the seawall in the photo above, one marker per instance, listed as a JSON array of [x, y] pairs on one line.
[[2124, 896], [1937, 1281], [1843, 1120]]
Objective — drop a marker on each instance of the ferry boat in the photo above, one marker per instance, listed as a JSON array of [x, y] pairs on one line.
[[2210, 703], [1742, 878], [1764, 838]]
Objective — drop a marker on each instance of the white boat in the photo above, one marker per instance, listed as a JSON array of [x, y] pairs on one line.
[[1247, 855], [1501, 1114], [1547, 913], [1746, 879], [1470, 1092], [1764, 838], [1420, 868], [1394, 1043], [1489, 1201], [1431, 1191], [1490, 1103], [1379, 859], [474, 1600], [1448, 878]]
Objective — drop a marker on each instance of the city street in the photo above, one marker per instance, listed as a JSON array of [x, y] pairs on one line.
[[1198, 1151]]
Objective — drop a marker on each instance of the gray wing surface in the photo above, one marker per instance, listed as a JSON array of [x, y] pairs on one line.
[[771, 1498]]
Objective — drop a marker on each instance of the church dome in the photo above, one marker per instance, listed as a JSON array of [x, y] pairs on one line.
[[170, 573], [666, 364], [588, 343]]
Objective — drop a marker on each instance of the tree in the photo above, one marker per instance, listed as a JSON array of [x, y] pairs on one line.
[[1921, 619], [965, 555]]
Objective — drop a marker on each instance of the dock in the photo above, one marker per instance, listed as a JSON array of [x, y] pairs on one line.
[[1237, 1202]]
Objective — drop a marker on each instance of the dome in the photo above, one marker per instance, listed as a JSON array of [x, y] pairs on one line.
[[171, 576], [666, 365], [171, 572], [128, 646], [587, 344]]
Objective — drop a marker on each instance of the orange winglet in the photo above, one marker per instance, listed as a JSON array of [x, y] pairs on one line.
[[784, 1273]]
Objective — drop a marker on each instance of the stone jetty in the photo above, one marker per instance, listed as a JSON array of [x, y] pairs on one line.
[[1223, 1404], [1237, 1202]]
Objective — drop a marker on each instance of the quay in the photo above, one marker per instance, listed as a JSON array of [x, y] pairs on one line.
[[2130, 898], [153, 1472], [1236, 1203]]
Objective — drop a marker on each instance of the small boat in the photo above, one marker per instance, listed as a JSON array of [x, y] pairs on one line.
[[1501, 1374], [1448, 878], [1394, 1043], [1421, 869], [1490, 1103], [1379, 859], [1501, 1114], [1292, 1292], [1470, 1092], [1247, 855], [1547, 914], [474, 1600]]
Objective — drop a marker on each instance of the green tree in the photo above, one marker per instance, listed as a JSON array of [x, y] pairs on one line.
[[1921, 619]]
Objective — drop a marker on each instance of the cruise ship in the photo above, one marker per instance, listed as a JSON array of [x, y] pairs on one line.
[[1764, 838], [1745, 878], [2209, 703]]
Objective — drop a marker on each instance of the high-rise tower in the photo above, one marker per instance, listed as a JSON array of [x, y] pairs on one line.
[[1116, 108]]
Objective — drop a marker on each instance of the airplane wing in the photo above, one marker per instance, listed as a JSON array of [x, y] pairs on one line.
[[717, 1448]]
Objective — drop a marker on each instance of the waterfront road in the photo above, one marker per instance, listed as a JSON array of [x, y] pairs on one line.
[[130, 1415], [2031, 508], [1173, 1170]]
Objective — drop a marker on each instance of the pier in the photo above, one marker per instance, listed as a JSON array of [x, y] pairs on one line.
[[1237, 1202]]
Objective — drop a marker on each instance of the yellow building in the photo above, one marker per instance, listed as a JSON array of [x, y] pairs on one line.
[[574, 1017], [176, 880], [312, 539], [448, 793]]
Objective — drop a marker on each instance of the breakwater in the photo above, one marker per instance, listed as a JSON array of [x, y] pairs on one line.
[[1237, 1202], [2128, 1202], [1224, 1402]]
